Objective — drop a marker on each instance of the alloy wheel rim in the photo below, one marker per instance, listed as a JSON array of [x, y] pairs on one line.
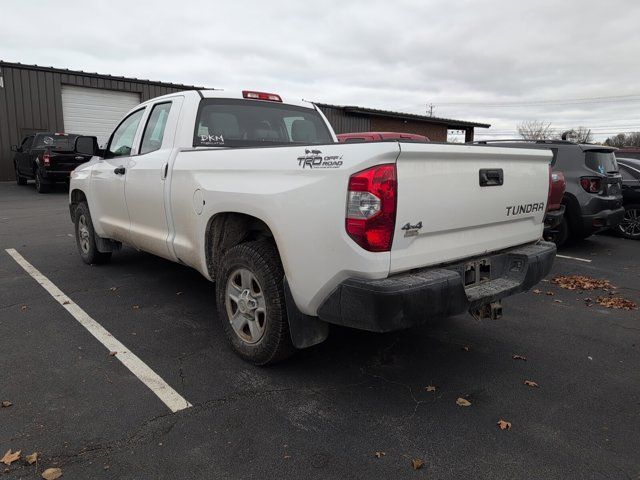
[[246, 306], [83, 234], [630, 224]]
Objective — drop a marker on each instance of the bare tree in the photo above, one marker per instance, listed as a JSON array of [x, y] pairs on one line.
[[535, 130], [624, 140], [617, 141]]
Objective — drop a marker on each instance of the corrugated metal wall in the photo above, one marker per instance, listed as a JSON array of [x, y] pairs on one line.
[[31, 100], [343, 122]]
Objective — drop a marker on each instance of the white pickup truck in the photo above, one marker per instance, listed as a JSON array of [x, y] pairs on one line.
[[299, 231]]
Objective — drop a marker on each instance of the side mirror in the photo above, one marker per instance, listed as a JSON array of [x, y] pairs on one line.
[[86, 146], [15, 148]]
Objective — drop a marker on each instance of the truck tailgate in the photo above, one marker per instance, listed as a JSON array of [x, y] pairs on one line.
[[440, 187]]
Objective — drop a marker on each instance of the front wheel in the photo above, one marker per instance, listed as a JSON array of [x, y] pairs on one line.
[[20, 180], [630, 225], [251, 304], [86, 237]]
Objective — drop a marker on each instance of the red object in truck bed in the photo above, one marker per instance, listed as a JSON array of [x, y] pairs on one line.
[[380, 137]]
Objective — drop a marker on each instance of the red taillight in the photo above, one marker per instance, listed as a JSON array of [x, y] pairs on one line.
[[550, 189], [591, 184], [557, 186], [272, 97], [371, 207], [46, 159]]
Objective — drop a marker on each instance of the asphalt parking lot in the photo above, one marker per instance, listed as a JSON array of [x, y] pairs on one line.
[[328, 410]]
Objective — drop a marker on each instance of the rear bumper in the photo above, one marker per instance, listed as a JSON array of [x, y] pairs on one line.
[[602, 220], [56, 175], [413, 298], [553, 218]]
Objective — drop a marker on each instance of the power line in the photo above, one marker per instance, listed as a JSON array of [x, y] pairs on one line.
[[559, 101]]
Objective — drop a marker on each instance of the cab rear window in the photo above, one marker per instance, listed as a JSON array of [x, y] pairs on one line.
[[54, 142], [601, 162], [246, 123]]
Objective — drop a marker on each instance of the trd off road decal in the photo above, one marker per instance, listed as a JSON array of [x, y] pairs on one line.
[[211, 140], [314, 159]]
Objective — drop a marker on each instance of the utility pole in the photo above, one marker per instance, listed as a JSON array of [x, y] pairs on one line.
[[430, 108]]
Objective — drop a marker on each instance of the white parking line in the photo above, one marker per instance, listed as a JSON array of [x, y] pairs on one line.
[[574, 258], [151, 379]]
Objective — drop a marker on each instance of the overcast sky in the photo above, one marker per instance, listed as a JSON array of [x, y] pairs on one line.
[[472, 59]]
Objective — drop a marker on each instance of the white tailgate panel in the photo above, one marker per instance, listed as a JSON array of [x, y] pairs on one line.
[[439, 186]]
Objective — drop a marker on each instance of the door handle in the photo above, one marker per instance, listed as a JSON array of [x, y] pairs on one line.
[[165, 170], [491, 177], [119, 170]]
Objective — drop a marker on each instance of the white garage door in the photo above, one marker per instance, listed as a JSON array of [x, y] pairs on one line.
[[93, 111]]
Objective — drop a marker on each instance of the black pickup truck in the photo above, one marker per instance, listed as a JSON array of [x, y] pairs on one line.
[[47, 158]]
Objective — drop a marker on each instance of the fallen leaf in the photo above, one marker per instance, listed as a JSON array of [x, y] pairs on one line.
[[466, 348], [504, 425], [113, 289], [10, 457], [379, 454], [519, 357], [66, 302], [551, 294], [136, 307], [558, 301], [580, 282], [618, 303], [178, 293], [31, 459], [6, 404], [463, 402], [24, 307], [417, 463], [537, 291], [113, 354], [531, 383], [430, 388], [51, 473]]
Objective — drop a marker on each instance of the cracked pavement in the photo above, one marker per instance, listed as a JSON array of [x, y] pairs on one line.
[[324, 413]]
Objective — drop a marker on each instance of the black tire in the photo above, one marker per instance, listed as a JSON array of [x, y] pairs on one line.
[[20, 180], [262, 261], [630, 225], [86, 237], [41, 185], [561, 235]]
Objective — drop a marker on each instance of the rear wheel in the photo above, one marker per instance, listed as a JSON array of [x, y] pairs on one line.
[[86, 237], [41, 185], [251, 304], [20, 180], [630, 225], [561, 234]]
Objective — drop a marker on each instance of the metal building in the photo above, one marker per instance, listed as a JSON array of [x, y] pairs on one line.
[[346, 119], [39, 99]]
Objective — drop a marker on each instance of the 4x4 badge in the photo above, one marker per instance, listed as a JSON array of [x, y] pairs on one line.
[[411, 230]]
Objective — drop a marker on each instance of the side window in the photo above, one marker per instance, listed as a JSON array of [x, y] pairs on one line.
[[26, 144], [154, 130], [122, 139]]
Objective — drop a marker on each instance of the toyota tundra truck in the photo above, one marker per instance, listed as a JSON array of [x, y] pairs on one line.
[[300, 232]]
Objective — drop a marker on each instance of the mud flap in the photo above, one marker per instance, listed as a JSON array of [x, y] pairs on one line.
[[305, 330]]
